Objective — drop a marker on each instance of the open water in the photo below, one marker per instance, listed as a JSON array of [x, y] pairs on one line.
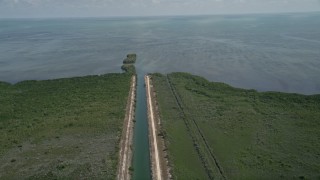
[[264, 52]]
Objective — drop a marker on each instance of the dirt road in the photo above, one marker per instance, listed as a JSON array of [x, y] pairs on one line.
[[125, 155], [154, 149]]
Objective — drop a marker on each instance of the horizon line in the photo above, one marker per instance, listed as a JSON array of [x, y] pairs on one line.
[[164, 15]]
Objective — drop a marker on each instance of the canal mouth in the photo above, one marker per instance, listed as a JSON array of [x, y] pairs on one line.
[[141, 153]]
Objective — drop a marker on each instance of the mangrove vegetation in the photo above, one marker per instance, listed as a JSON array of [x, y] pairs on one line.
[[215, 131]]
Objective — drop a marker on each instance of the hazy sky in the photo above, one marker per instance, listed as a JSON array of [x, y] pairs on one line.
[[85, 8]]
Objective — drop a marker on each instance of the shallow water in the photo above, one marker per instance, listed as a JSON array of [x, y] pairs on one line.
[[263, 52]]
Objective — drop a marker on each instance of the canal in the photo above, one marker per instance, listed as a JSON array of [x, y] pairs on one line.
[[141, 153]]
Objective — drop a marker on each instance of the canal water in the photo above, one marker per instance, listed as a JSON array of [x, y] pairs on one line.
[[141, 155]]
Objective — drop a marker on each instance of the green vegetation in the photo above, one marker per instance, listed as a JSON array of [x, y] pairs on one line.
[[216, 131], [64, 128], [129, 68], [131, 59], [128, 64]]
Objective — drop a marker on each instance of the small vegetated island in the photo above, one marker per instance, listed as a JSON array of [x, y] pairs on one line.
[[64, 128], [215, 131], [128, 63]]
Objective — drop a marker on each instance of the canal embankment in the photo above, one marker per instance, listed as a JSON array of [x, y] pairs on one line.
[[159, 163], [125, 153]]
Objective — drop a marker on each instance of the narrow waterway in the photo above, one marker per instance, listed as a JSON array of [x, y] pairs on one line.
[[141, 157]]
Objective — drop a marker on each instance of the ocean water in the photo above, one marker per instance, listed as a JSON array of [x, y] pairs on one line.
[[263, 52]]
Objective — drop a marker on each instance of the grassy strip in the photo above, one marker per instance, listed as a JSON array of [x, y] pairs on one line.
[[64, 128], [179, 142], [253, 135], [210, 162]]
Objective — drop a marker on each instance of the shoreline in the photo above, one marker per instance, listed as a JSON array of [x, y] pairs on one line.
[[125, 153]]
